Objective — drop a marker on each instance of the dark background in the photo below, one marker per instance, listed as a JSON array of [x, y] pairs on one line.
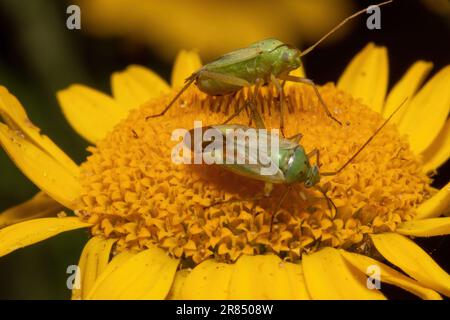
[[39, 56]]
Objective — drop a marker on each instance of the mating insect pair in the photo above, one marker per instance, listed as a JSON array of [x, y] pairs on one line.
[[266, 61]]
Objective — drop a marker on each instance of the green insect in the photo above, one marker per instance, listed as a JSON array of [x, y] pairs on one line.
[[266, 61], [293, 164]]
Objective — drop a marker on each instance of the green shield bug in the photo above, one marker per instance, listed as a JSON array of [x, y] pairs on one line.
[[266, 61]]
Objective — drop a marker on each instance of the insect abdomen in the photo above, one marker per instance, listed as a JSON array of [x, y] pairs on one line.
[[249, 70], [246, 171]]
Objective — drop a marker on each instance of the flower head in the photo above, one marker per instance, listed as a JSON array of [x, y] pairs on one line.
[[156, 216], [134, 192]]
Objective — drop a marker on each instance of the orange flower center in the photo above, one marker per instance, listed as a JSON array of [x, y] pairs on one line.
[[134, 192]]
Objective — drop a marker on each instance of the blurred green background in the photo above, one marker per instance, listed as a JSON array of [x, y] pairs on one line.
[[39, 56]]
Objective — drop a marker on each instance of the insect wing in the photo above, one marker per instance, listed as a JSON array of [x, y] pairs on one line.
[[233, 57], [248, 152], [208, 142]]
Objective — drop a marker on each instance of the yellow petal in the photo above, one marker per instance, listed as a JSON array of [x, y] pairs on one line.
[[389, 275], [406, 88], [186, 63], [116, 263], [136, 85], [367, 75], [265, 277], [41, 205], [210, 280], [425, 228], [329, 277], [29, 232], [16, 118], [427, 112], [297, 280], [146, 275], [408, 256], [91, 113], [49, 175], [93, 262], [439, 151], [178, 284], [438, 205]]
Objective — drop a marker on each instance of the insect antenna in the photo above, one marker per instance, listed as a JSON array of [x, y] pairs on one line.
[[365, 143], [311, 48], [188, 83]]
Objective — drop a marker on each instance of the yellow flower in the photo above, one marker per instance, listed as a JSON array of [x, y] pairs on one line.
[[153, 216], [211, 26]]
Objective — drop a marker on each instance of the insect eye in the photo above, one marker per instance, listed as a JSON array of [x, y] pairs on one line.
[[285, 57]]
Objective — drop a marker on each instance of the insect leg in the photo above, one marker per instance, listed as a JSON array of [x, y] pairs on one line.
[[283, 84], [234, 115], [189, 81], [315, 152], [311, 83], [238, 82], [280, 90], [256, 116], [283, 197], [330, 202]]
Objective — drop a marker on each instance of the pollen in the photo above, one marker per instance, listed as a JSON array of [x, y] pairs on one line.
[[134, 192]]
